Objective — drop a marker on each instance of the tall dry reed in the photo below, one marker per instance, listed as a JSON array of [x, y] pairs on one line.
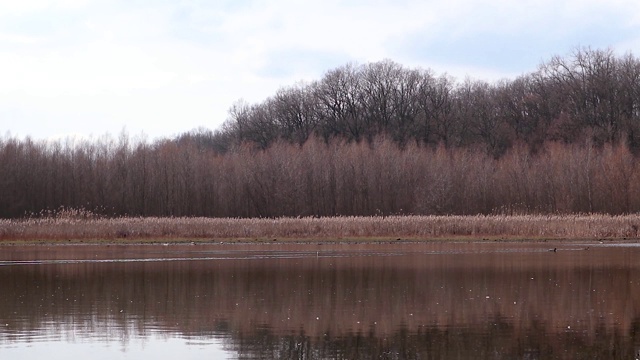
[[326, 228]]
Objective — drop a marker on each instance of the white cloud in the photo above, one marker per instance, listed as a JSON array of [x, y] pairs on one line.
[[360, 31], [17, 38], [19, 8], [99, 66]]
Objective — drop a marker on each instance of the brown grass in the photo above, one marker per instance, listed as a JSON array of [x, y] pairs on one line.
[[493, 227]]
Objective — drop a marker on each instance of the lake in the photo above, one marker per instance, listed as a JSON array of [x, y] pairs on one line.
[[492, 300]]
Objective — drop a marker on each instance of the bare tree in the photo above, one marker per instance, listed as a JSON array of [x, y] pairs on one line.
[[340, 110]]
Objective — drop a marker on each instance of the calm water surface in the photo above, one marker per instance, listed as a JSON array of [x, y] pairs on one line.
[[382, 301]]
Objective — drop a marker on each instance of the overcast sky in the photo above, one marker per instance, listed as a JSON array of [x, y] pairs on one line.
[[163, 67]]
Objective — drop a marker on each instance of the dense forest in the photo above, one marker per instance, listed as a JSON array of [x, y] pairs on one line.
[[591, 94], [373, 139]]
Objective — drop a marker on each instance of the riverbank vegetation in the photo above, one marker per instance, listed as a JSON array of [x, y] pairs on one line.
[[76, 225], [338, 178], [366, 140]]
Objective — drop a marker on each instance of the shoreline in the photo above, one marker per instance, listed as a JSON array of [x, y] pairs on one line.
[[295, 241], [328, 230]]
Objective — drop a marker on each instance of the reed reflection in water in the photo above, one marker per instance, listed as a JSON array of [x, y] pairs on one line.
[[463, 300]]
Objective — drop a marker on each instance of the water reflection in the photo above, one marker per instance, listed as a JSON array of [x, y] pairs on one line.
[[500, 301]]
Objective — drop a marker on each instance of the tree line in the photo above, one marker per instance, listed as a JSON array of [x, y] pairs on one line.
[[372, 139], [116, 177], [590, 94]]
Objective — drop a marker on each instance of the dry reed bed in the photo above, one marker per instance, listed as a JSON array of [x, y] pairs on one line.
[[328, 228]]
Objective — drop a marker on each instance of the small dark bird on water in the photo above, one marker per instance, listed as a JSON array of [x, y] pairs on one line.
[[554, 249]]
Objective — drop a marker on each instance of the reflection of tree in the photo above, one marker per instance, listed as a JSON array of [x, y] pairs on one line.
[[444, 306], [496, 339]]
